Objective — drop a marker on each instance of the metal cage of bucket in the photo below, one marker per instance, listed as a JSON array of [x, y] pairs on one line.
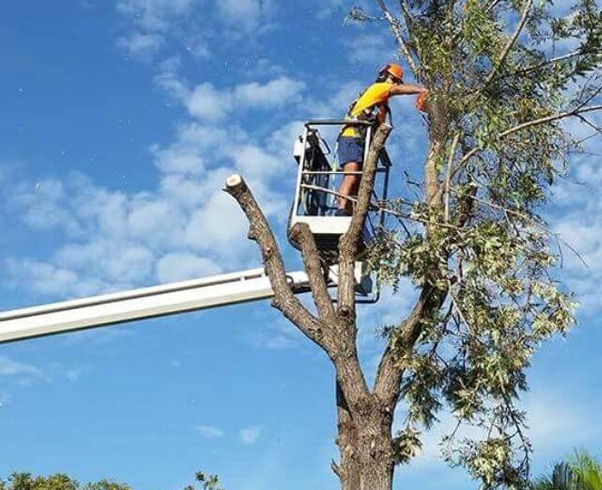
[[318, 179]]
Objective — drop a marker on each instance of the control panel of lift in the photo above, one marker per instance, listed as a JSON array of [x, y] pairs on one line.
[[319, 177]]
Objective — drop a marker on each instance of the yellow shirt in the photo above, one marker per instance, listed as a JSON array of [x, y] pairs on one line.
[[377, 95]]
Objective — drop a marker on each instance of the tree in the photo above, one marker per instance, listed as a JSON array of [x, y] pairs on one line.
[[61, 481], [581, 472], [503, 76], [58, 481]]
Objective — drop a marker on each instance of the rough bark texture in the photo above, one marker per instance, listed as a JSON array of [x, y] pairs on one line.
[[365, 416]]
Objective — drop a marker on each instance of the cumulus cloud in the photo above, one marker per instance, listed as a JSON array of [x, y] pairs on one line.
[[250, 435], [206, 102], [245, 15], [152, 21], [276, 335], [140, 45], [184, 227], [370, 48], [154, 15], [576, 216], [181, 266]]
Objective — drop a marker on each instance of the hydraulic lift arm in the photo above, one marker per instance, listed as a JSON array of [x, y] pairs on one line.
[[106, 309], [167, 299]]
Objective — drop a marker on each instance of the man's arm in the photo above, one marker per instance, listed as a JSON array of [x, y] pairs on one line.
[[406, 89]]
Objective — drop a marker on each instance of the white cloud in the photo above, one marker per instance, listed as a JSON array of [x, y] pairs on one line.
[[250, 435], [185, 227], [181, 266], [208, 103], [154, 15], [10, 368], [577, 217], [46, 202], [41, 277], [139, 45], [274, 93], [209, 431], [277, 335], [370, 48], [153, 22], [246, 15]]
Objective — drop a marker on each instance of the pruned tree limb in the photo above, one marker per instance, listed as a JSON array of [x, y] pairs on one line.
[[259, 231], [349, 242], [303, 236]]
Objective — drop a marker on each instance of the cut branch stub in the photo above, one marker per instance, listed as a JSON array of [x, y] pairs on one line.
[[260, 232]]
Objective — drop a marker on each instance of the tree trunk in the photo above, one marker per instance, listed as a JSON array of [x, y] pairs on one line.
[[365, 444], [376, 452], [349, 468]]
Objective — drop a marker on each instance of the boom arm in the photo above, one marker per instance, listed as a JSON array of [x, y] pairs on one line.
[[106, 309], [167, 299]]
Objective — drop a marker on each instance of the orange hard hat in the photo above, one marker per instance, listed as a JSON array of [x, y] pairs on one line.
[[393, 69]]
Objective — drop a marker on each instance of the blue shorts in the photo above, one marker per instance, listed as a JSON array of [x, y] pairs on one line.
[[351, 150]]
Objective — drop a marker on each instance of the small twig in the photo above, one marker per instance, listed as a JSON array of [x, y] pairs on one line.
[[379, 207], [536, 223], [529, 124], [492, 5]]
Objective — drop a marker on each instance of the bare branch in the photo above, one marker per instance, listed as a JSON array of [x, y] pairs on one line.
[[303, 236], [552, 118], [260, 232], [492, 5], [397, 32], [405, 9], [349, 242], [501, 60], [450, 162]]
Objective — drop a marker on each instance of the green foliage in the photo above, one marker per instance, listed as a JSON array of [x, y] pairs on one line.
[[581, 472], [210, 482], [481, 244], [58, 481]]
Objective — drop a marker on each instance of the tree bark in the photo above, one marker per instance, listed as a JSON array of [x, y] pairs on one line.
[[364, 421], [349, 469]]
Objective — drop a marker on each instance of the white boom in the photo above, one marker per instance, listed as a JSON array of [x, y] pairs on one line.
[[107, 309]]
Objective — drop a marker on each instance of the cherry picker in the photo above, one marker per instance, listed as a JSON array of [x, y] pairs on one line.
[[313, 203]]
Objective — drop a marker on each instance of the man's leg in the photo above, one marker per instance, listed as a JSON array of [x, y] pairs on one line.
[[349, 186]]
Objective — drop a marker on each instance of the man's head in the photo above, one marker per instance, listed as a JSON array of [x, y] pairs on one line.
[[391, 72]]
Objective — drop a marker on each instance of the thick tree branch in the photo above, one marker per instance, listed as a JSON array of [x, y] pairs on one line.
[[402, 341], [349, 242], [303, 236], [260, 232]]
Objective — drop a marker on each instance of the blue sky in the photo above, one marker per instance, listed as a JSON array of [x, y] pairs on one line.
[[121, 120]]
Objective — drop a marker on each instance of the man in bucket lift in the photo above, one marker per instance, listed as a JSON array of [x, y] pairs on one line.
[[371, 105]]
